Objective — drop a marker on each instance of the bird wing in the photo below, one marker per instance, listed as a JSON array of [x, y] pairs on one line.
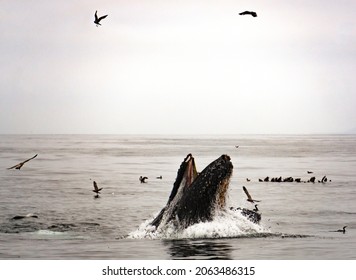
[[102, 17], [19, 165], [247, 193], [96, 16], [29, 159], [95, 186], [16, 166], [254, 14]]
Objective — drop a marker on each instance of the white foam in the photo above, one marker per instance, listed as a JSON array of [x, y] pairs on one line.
[[226, 224], [48, 232]]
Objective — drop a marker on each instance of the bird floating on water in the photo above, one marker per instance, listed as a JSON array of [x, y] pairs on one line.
[[249, 198], [19, 165], [143, 179], [254, 14], [97, 20], [343, 230]]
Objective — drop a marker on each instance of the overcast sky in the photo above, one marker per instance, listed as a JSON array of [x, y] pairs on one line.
[[183, 67]]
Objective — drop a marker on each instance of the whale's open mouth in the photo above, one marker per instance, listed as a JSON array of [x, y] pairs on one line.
[[196, 197]]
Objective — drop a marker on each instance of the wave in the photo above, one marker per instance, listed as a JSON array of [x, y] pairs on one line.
[[48, 232], [226, 224]]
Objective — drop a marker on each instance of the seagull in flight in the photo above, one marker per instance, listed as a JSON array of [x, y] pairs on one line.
[[254, 14], [249, 198], [97, 20], [19, 165], [96, 189]]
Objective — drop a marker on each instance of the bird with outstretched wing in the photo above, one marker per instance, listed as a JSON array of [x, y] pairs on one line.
[[254, 14], [96, 189], [249, 198], [19, 165], [98, 19]]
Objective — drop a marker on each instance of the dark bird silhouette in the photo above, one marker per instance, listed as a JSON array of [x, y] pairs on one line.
[[249, 198], [248, 180], [19, 165], [143, 179], [96, 189], [254, 14], [159, 177], [236, 146], [97, 20], [256, 209], [309, 172], [312, 179], [343, 230]]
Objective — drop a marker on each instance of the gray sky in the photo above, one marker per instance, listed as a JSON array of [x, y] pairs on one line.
[[185, 67]]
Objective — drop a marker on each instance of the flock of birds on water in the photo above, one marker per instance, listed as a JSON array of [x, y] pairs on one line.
[[143, 179]]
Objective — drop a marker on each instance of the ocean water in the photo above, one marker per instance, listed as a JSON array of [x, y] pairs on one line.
[[298, 219]]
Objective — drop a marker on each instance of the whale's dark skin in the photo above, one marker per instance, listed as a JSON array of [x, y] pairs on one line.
[[252, 215], [196, 197]]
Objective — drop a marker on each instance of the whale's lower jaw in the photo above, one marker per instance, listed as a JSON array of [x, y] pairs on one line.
[[194, 198]]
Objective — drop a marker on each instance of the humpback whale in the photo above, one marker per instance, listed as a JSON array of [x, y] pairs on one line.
[[251, 215], [196, 197]]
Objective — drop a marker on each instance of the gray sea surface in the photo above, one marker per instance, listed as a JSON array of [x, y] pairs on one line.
[[299, 220]]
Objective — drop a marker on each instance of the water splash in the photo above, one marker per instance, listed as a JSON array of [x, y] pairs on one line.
[[47, 232], [226, 224]]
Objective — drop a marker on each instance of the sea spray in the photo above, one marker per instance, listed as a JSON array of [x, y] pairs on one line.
[[226, 224]]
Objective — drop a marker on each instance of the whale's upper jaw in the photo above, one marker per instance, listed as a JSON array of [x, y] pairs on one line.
[[186, 174]]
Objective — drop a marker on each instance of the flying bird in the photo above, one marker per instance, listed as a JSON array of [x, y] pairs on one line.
[[97, 20], [249, 198], [19, 165], [96, 189], [254, 14]]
